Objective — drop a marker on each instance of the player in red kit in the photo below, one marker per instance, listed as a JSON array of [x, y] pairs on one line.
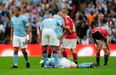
[[100, 35], [69, 40]]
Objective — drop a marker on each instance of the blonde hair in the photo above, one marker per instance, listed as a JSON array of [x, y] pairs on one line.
[[64, 11]]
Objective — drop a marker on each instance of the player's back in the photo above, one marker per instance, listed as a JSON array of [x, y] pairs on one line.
[[103, 31], [19, 25], [60, 21], [49, 23]]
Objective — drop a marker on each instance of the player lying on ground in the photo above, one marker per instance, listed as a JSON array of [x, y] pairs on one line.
[[66, 63]]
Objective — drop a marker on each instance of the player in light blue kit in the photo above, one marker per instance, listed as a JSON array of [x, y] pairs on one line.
[[66, 63], [49, 37], [19, 31], [59, 20]]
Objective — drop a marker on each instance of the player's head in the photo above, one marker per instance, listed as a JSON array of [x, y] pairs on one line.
[[17, 11], [63, 13]]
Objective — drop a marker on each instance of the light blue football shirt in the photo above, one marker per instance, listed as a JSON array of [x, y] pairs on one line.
[[60, 21], [49, 23], [19, 25], [51, 62], [54, 24]]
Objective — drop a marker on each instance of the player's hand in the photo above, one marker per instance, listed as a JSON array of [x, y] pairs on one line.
[[68, 30], [28, 41]]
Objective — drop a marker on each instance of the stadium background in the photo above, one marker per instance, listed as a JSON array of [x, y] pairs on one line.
[[37, 10], [79, 10]]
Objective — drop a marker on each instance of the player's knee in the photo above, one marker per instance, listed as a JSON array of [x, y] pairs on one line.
[[107, 52], [16, 52], [24, 51], [73, 50], [16, 48], [98, 49], [62, 49]]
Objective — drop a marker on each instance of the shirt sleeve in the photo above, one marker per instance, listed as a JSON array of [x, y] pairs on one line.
[[25, 20], [59, 20]]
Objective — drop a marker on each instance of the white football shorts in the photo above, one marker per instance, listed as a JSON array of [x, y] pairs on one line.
[[49, 37], [19, 41]]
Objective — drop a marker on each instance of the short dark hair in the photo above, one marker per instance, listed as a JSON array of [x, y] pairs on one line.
[[18, 8]]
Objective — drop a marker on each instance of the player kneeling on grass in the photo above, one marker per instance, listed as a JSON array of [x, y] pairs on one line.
[[66, 63]]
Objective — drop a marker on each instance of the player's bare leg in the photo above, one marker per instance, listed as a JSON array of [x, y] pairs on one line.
[[26, 58]]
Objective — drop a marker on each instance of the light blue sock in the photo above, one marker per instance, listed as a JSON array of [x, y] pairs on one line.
[[44, 58], [85, 65], [15, 59], [55, 56]]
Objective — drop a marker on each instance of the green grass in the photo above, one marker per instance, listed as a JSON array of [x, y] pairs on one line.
[[6, 63]]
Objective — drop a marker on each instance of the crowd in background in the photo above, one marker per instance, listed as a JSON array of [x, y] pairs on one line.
[[83, 12]]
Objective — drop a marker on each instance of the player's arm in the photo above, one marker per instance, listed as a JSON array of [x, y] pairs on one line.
[[40, 37], [28, 31], [66, 28], [11, 35], [63, 35], [11, 31], [69, 30], [40, 34]]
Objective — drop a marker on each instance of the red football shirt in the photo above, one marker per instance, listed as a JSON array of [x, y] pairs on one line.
[[103, 31], [69, 22]]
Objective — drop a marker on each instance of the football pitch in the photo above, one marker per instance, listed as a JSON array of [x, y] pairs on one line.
[[6, 63]]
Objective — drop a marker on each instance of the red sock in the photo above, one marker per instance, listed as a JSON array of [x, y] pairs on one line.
[[98, 58], [98, 54], [75, 56], [106, 59], [49, 52], [64, 54]]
